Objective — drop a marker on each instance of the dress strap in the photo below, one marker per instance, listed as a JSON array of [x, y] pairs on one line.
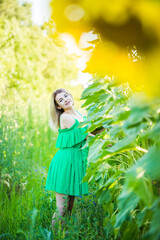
[[60, 122]]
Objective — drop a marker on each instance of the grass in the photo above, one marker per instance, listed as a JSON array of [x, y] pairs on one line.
[[27, 147]]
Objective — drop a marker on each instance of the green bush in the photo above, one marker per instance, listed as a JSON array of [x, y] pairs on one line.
[[124, 158]]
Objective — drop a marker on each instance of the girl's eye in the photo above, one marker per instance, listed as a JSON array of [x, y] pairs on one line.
[[61, 100], [66, 95]]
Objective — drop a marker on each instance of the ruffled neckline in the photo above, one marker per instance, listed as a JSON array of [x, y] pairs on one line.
[[68, 129]]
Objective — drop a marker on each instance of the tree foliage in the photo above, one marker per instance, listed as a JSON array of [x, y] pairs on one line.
[[32, 64], [124, 158]]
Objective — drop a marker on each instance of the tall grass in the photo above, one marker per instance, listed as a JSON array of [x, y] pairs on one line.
[[27, 147]]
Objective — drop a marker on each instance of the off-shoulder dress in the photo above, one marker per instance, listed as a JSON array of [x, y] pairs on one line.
[[68, 166]]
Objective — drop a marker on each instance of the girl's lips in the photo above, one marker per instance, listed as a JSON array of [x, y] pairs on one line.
[[68, 102]]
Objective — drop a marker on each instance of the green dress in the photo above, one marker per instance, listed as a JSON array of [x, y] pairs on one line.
[[68, 166]]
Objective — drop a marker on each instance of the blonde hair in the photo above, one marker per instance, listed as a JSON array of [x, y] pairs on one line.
[[55, 113]]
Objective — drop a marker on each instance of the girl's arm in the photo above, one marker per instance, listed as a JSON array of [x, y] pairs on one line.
[[92, 135]]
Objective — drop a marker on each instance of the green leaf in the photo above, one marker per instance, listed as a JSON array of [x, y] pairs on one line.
[[94, 98], [122, 114], [149, 164], [115, 130], [127, 201], [144, 216], [137, 115], [94, 151], [92, 168], [108, 227], [130, 228], [153, 133], [104, 196], [126, 143], [154, 231], [91, 89], [108, 207]]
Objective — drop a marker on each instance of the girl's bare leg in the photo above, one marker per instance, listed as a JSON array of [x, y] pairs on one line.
[[61, 207]]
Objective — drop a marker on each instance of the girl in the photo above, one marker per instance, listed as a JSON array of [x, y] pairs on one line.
[[68, 166]]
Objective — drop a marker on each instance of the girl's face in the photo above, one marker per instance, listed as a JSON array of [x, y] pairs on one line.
[[64, 100]]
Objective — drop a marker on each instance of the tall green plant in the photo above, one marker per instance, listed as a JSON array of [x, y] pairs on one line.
[[124, 158]]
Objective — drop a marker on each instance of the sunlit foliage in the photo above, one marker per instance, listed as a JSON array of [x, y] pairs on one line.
[[32, 64]]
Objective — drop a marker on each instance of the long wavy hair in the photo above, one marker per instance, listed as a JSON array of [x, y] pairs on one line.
[[55, 113]]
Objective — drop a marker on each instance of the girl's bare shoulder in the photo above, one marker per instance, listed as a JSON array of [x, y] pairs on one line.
[[66, 120]]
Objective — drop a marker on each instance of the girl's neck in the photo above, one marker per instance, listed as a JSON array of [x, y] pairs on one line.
[[71, 111]]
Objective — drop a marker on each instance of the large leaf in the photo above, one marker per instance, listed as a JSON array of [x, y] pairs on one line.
[[144, 216], [137, 115], [96, 86], [123, 144], [91, 171], [149, 164], [115, 130], [108, 207], [131, 230], [95, 98], [127, 201], [153, 133], [154, 231], [104, 196], [94, 151]]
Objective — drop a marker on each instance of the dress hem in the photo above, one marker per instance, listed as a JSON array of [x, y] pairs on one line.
[[76, 195]]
